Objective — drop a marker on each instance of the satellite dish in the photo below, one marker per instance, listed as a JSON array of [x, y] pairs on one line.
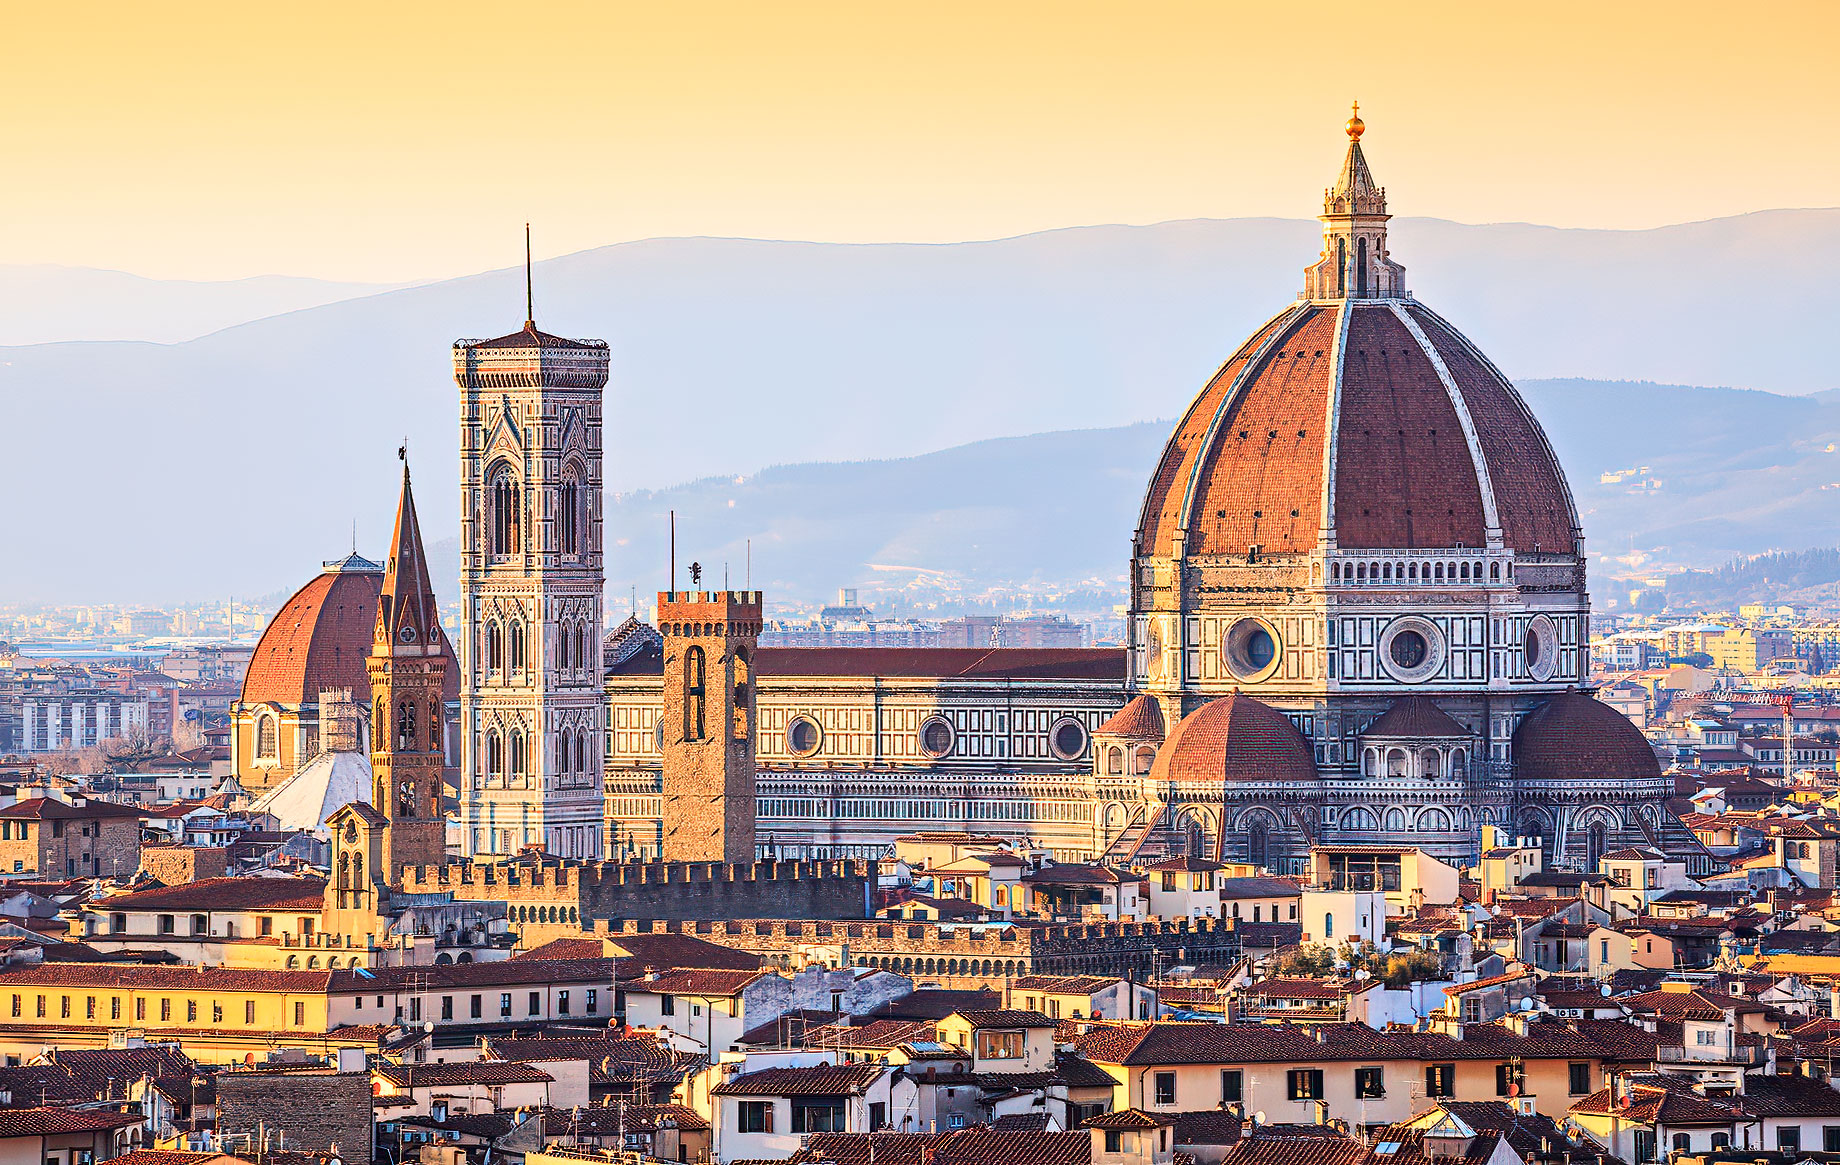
[[1604, 990], [1258, 1118], [1527, 1004]]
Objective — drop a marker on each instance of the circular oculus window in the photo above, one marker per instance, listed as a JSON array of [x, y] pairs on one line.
[[937, 737], [803, 736], [1068, 738], [1412, 649], [1250, 649], [1540, 647]]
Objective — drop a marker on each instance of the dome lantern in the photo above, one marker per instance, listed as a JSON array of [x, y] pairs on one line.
[[1354, 262]]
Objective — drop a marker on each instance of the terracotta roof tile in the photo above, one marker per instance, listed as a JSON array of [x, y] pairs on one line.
[[1236, 738]]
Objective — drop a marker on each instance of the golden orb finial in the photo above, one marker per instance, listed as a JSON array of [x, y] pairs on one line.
[[1355, 125]]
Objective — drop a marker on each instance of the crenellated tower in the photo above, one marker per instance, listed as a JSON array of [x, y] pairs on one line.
[[530, 573], [707, 733], [408, 671]]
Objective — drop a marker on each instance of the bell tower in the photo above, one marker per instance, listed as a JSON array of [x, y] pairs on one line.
[[408, 671], [708, 725], [532, 712]]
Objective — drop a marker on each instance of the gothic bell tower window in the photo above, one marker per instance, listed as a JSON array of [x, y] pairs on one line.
[[505, 536]]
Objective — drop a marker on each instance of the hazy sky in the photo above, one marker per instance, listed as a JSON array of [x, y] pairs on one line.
[[401, 140]]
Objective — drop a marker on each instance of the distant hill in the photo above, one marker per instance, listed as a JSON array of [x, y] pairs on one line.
[[233, 463], [46, 304]]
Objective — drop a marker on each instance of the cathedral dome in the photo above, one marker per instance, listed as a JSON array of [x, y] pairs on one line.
[[1576, 737], [1372, 422], [1235, 738], [1356, 418], [320, 637]]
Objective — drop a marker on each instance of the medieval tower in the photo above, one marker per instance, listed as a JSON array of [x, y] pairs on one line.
[[707, 733], [530, 575], [408, 669]]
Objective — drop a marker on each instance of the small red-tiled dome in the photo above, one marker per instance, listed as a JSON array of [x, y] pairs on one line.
[[320, 637], [1141, 719], [1574, 736], [1236, 738]]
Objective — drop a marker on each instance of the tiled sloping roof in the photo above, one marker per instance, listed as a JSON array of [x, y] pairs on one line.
[[49, 808], [1079, 1072], [1180, 1042], [246, 893], [1650, 1104], [468, 1072], [1094, 663], [1789, 1096], [1281, 1150], [1005, 1017], [1258, 888], [530, 336], [818, 1080], [1689, 1004], [43, 1122], [611, 1059], [1021, 1122], [1077, 874], [646, 1118], [697, 981], [870, 1148], [660, 951], [936, 1003], [504, 973], [1064, 984], [982, 1146]]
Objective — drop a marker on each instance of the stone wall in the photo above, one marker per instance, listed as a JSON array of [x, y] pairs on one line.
[[560, 898], [968, 956], [308, 1111], [175, 865]]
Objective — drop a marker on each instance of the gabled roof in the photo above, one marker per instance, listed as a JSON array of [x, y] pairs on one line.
[[817, 1080], [1004, 1017], [242, 893], [467, 1072], [1416, 717], [51, 809]]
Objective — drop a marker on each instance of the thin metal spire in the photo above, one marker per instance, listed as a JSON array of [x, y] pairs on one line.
[[530, 311]]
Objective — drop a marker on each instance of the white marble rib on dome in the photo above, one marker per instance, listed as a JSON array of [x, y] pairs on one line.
[[311, 795]]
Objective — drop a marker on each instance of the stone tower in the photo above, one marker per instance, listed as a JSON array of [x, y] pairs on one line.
[[707, 733], [530, 576], [408, 670]]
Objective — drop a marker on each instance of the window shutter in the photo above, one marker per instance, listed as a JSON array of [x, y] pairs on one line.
[[1316, 1083], [770, 1107]]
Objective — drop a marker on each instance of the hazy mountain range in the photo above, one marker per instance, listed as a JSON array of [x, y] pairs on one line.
[[235, 462]]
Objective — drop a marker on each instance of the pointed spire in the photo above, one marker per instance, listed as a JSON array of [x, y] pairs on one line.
[[407, 616], [530, 309]]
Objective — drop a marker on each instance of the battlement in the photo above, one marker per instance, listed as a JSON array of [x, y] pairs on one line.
[[709, 612], [590, 880], [985, 938]]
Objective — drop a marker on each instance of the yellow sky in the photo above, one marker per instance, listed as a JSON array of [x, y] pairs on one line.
[[403, 140]]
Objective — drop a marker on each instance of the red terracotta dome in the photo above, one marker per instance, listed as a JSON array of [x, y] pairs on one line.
[[1141, 719], [1576, 737], [1236, 738], [320, 638], [1422, 443]]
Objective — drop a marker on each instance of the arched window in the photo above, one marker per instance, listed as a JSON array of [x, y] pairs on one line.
[[581, 646], [1386, 572], [1494, 572], [495, 754], [405, 726], [1335, 572], [1328, 926], [1459, 764], [1439, 572], [562, 752], [1463, 572], [266, 746], [1360, 267], [517, 753], [1360, 571], [1114, 761], [506, 531], [495, 647], [1341, 266], [562, 646], [568, 517], [742, 676], [693, 694], [435, 743], [1258, 843], [581, 752], [517, 645], [1412, 571]]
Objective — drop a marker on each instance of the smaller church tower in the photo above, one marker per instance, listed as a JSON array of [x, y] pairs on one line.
[[708, 725], [408, 670]]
